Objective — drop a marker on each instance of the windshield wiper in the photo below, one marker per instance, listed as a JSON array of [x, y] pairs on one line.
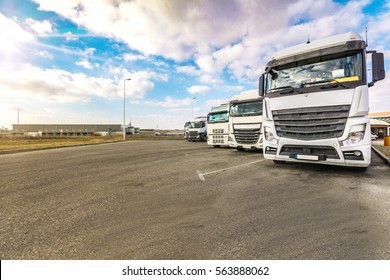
[[285, 89], [330, 81]]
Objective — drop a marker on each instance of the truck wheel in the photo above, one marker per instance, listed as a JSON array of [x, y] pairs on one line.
[[216, 146], [240, 149]]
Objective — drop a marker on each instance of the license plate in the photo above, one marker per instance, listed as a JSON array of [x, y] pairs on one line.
[[306, 157]]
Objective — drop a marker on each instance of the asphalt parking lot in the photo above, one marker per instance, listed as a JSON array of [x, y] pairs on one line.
[[181, 200]]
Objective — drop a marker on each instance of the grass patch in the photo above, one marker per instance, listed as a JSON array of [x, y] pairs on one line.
[[25, 143], [11, 142]]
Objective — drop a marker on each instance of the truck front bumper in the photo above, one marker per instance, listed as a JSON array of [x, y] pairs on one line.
[[328, 151], [258, 145]]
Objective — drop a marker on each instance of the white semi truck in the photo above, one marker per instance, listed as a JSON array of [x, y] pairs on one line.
[[197, 129], [316, 102], [246, 120], [218, 126], [186, 130]]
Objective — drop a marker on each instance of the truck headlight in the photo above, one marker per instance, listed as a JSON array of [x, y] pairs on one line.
[[269, 135], [354, 138]]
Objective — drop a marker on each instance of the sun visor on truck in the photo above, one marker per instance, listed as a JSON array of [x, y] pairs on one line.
[[348, 46]]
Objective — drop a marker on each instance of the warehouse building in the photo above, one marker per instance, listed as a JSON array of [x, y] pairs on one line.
[[66, 129]]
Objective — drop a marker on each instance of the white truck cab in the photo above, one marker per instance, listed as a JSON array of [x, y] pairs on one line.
[[197, 129], [316, 102], [186, 130], [246, 120], [218, 126]]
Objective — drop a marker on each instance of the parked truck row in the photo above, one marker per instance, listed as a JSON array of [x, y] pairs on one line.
[[312, 105], [235, 123]]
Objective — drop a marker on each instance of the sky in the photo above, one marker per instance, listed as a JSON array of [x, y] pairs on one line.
[[67, 61]]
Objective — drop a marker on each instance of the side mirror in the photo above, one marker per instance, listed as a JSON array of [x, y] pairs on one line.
[[261, 85], [378, 67]]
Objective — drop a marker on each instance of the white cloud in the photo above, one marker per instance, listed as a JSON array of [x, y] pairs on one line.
[[141, 82], [70, 37], [89, 51], [247, 57], [234, 89], [148, 26], [198, 89], [168, 103], [160, 63], [309, 10], [84, 63], [211, 79], [207, 63], [238, 36], [55, 85], [379, 29], [147, 59], [379, 96], [14, 40], [40, 27], [44, 54], [189, 70], [133, 57]]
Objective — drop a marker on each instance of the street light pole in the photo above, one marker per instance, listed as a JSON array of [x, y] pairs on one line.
[[124, 107], [192, 107]]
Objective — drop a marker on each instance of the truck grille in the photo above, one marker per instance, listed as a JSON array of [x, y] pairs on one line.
[[249, 136], [218, 139], [311, 123], [193, 135]]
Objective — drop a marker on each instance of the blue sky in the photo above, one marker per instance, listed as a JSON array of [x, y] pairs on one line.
[[65, 61]]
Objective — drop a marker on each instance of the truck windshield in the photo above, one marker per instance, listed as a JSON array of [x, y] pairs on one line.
[[246, 109], [196, 124], [334, 70], [218, 117]]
